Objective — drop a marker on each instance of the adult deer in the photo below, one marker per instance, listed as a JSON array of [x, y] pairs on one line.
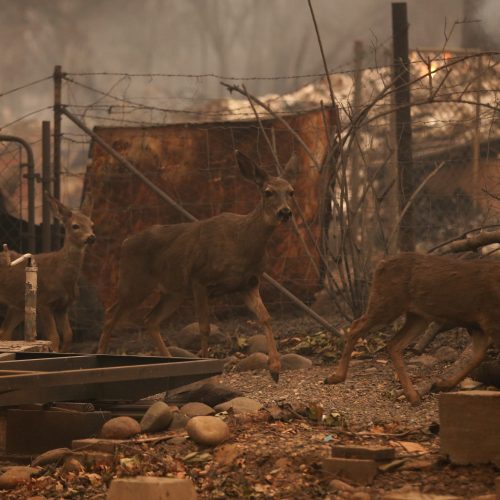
[[429, 288], [212, 257], [58, 274]]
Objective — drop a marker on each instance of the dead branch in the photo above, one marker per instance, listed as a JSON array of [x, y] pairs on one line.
[[471, 243]]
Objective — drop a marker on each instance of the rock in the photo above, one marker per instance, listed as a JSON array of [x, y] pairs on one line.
[[358, 470], [360, 495], [468, 384], [338, 485], [240, 405], [257, 343], [424, 359], [189, 337], [409, 493], [446, 354], [209, 393], [73, 465], [52, 456], [256, 361], [196, 409], [227, 453], [368, 452], [208, 431], [157, 417], [179, 421], [295, 362], [179, 352], [16, 475], [120, 428]]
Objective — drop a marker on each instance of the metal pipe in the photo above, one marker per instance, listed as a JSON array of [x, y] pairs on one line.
[[30, 163], [30, 292], [46, 185], [189, 216]]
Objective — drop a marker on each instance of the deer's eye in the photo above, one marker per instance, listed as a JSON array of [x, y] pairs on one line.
[[75, 226], [268, 192]]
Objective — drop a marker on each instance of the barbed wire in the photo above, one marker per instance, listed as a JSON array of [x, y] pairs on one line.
[[25, 86]]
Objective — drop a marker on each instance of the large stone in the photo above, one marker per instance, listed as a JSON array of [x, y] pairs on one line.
[[196, 409], [179, 352], [209, 393], [469, 426], [256, 361], [295, 362], [190, 338], [257, 343], [16, 475], [179, 421], [132, 488], [157, 418], [52, 457], [240, 405], [208, 431], [120, 428]]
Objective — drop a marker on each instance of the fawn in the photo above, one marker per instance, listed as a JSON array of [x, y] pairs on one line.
[[58, 273], [220, 255], [429, 288]]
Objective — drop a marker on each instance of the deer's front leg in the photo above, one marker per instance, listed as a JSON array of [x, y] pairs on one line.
[[254, 302], [203, 314]]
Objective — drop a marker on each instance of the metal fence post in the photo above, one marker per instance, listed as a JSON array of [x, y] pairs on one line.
[[58, 76], [46, 186]]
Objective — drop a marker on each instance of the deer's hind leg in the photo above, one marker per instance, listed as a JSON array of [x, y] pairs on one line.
[[203, 314], [254, 302], [413, 326], [13, 317], [165, 307], [480, 343]]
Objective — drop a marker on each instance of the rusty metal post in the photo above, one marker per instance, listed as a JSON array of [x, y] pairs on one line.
[[401, 73], [46, 186], [58, 76]]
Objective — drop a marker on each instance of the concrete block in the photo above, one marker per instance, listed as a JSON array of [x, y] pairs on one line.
[[360, 471], [469, 426], [378, 453], [151, 488]]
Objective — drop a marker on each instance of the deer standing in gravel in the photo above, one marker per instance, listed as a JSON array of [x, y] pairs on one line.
[[58, 273], [429, 288], [212, 257]]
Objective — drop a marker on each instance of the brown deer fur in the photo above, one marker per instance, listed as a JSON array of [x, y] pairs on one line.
[[58, 273], [219, 255], [429, 288]]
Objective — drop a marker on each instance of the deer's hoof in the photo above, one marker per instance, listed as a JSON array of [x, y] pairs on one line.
[[275, 376], [333, 379]]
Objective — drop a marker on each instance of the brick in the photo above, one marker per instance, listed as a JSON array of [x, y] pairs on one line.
[[96, 444], [377, 453], [469, 426], [132, 488], [93, 458], [360, 471]]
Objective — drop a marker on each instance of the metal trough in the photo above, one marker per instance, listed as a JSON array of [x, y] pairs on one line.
[[31, 377]]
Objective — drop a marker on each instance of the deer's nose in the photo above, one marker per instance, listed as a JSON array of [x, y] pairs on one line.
[[91, 239], [284, 214]]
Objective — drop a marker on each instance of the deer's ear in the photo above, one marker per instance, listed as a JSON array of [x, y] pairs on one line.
[[250, 170], [58, 209], [292, 168], [87, 204]]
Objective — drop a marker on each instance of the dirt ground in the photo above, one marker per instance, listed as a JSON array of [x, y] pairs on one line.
[[278, 453]]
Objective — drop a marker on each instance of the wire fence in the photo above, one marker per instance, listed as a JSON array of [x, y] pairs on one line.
[[349, 209]]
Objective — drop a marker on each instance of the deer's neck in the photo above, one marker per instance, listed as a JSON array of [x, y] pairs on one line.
[[255, 233], [72, 258]]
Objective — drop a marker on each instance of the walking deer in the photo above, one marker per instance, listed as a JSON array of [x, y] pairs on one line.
[[220, 255], [429, 288], [58, 273]]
